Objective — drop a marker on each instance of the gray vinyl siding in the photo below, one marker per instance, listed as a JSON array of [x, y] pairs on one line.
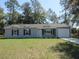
[[36, 33]]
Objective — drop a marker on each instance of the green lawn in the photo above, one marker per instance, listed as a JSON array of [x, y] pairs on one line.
[[30, 49]]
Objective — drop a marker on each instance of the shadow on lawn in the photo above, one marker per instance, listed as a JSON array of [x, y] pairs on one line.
[[71, 50]]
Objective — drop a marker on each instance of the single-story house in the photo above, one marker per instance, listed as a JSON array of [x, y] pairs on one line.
[[37, 30]]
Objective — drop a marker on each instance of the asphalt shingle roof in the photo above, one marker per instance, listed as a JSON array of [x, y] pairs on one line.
[[38, 26]]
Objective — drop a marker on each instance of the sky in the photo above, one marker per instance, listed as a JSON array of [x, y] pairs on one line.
[[53, 4]]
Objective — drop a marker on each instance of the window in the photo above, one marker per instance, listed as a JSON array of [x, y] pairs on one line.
[[15, 32], [27, 31], [47, 31]]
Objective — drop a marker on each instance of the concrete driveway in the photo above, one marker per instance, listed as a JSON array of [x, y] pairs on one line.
[[73, 40]]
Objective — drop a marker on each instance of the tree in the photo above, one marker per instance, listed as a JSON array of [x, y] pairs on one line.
[[16, 18], [66, 13], [1, 18], [38, 12], [72, 8], [12, 5], [27, 12], [52, 16], [1, 21]]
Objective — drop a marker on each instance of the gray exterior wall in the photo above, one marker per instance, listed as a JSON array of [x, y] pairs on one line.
[[63, 32], [60, 32], [8, 33], [34, 33]]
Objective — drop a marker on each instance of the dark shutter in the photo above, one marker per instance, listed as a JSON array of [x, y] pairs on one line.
[[42, 31], [12, 32], [24, 32], [29, 31], [17, 32], [51, 31], [54, 31]]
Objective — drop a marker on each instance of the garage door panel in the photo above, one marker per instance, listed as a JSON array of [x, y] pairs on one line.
[[63, 33]]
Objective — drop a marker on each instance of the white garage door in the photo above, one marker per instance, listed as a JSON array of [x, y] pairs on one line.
[[63, 33]]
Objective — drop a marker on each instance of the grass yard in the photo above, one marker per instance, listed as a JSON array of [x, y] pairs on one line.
[[30, 49]]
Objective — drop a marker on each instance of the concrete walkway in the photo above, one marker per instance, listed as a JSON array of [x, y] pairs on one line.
[[73, 40]]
